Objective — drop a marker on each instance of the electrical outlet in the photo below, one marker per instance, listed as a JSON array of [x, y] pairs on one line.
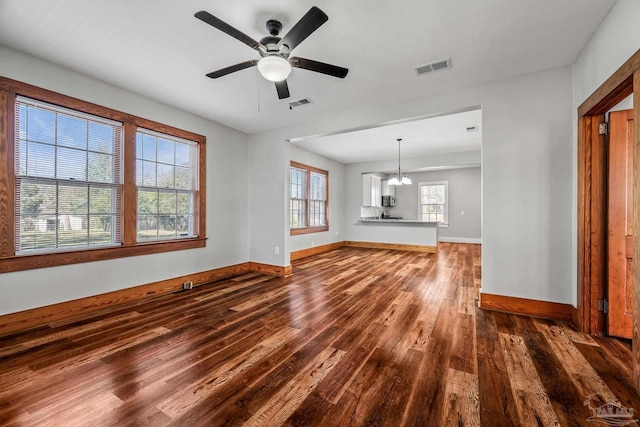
[[313, 243], [336, 233], [187, 285], [276, 250], [461, 212]]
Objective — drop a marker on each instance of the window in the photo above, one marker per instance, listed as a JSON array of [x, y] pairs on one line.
[[434, 201], [298, 206], [68, 180], [308, 206], [87, 183], [167, 186]]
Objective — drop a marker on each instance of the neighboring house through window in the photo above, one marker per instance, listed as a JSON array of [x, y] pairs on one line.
[[309, 202], [434, 201]]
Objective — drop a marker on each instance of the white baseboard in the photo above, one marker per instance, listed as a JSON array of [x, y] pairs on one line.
[[460, 240]]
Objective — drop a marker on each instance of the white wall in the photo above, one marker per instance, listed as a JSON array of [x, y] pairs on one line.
[[269, 189], [526, 176], [464, 196], [336, 200], [616, 40], [227, 199], [625, 104]]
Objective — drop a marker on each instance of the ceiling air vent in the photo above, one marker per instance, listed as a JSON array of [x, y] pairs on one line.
[[300, 102], [442, 64]]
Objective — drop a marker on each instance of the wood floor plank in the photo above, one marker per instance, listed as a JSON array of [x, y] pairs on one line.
[[355, 336], [358, 345], [464, 353], [426, 400], [249, 398], [186, 398], [619, 382], [582, 374], [563, 395], [387, 406], [289, 397], [395, 309], [311, 412], [497, 408], [254, 302], [69, 333], [532, 402], [462, 400]]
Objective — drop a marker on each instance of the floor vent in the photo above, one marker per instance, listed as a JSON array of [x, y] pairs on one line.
[[442, 64], [300, 102]]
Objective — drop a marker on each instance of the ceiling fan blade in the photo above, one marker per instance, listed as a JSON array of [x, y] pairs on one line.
[[232, 69], [226, 28], [319, 67], [310, 22], [283, 89]]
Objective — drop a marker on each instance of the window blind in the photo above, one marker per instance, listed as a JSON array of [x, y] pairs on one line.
[[68, 170]]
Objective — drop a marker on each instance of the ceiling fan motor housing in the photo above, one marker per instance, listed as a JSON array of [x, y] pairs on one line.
[[274, 26], [271, 45]]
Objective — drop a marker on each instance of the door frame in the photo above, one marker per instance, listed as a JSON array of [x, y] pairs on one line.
[[592, 202]]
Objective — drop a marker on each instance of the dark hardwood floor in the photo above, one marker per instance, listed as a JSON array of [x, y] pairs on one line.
[[354, 337]]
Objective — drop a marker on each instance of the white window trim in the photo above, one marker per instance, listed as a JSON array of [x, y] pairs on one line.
[[444, 224]]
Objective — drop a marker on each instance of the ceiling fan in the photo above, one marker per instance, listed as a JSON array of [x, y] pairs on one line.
[[275, 64]]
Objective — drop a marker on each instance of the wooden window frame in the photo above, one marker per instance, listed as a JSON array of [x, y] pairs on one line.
[[9, 261], [308, 229]]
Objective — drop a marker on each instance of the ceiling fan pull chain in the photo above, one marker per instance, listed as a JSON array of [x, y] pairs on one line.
[[258, 82]]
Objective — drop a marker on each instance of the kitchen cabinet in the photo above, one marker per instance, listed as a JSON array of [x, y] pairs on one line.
[[388, 190], [371, 190]]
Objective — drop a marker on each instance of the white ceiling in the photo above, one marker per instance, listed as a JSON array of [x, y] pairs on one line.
[[158, 49], [428, 136]]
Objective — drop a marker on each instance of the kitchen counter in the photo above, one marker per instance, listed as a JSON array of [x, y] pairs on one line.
[[404, 221], [401, 234]]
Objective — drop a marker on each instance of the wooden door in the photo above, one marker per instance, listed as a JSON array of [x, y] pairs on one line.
[[620, 225]]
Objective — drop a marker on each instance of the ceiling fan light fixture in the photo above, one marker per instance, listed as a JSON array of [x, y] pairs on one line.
[[274, 68]]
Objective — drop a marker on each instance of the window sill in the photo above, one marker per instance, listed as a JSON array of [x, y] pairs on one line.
[[443, 225], [43, 260], [296, 231]]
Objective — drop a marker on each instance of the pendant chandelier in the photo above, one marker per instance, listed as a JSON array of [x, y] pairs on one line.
[[399, 178]]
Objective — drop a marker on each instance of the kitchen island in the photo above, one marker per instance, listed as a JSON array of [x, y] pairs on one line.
[[402, 234]]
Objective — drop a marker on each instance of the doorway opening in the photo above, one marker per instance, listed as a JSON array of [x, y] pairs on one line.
[[593, 199], [593, 194]]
